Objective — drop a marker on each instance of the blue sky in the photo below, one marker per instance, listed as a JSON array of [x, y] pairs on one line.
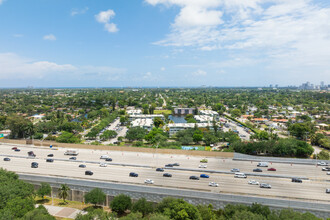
[[115, 43]]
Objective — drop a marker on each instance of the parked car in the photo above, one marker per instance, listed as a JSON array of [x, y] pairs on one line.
[[176, 164], [17, 150], [194, 177], [326, 169], [108, 159], [73, 158], [132, 174], [167, 175], [213, 184], [253, 182], [204, 176], [169, 165], [82, 166], [257, 170], [234, 170], [265, 185], [296, 180], [88, 172], [149, 181], [6, 159], [50, 160], [160, 170], [103, 165], [34, 165], [50, 155], [322, 163], [271, 169], [202, 166]]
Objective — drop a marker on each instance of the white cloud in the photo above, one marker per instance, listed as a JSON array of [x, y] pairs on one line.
[[147, 75], [49, 37], [77, 11], [15, 67], [1, 1], [162, 68], [199, 73], [18, 35], [104, 17]]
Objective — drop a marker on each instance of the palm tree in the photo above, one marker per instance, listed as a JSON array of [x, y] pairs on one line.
[[63, 192]]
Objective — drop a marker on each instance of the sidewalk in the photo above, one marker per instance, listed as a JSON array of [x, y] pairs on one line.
[[63, 212]]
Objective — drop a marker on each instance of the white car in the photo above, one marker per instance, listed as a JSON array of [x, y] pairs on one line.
[[322, 164], [253, 182], [103, 165], [328, 173], [213, 184], [202, 166], [149, 181]]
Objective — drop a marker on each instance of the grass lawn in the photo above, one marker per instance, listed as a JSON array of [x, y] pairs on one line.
[[163, 111]]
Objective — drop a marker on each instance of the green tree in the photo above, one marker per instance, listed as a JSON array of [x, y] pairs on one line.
[[121, 203], [64, 192], [97, 214], [136, 133], [108, 134], [19, 206], [158, 122], [133, 216], [198, 135], [39, 213], [143, 206], [95, 196], [19, 127], [236, 113], [67, 137], [44, 189], [323, 155]]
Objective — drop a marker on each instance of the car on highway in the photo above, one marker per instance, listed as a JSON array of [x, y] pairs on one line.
[[160, 170], [149, 181], [213, 184], [167, 175], [262, 164], [169, 165], [34, 165], [88, 172], [6, 159], [50, 160], [296, 180], [108, 159], [73, 158], [176, 164], [271, 169], [235, 170], [17, 150], [14, 148], [322, 163], [104, 157], [204, 176], [328, 173], [103, 165], [31, 154], [265, 185], [327, 190], [132, 174], [257, 170], [202, 166], [240, 175], [50, 155], [194, 177], [253, 182], [326, 169], [203, 160], [82, 166]]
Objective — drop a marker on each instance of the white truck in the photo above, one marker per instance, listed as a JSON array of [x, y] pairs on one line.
[[71, 152]]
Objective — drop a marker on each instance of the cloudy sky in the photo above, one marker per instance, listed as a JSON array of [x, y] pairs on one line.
[[115, 43]]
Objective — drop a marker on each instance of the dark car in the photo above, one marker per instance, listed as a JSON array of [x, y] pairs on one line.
[[108, 159], [204, 176], [194, 177], [6, 159], [176, 164], [88, 172], [257, 170], [34, 165], [169, 165], [17, 150], [50, 155], [296, 180], [82, 166], [132, 174], [14, 148], [271, 169], [160, 169], [167, 175], [50, 160], [73, 158]]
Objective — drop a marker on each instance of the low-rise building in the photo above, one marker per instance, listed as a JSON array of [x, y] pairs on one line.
[[184, 111], [210, 113], [134, 111], [134, 117], [173, 128], [146, 123], [203, 118]]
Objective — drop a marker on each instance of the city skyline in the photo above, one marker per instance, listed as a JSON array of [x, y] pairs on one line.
[[164, 43]]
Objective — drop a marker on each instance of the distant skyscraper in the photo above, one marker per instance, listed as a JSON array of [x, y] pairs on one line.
[[270, 86], [322, 83]]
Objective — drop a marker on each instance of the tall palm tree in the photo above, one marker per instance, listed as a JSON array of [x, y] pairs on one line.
[[64, 192]]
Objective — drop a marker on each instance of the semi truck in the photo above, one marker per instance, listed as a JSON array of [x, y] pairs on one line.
[[71, 152]]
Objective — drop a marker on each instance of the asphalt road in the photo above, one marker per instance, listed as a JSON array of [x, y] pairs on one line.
[[309, 190]]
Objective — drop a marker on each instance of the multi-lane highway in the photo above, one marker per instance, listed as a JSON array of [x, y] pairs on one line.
[[145, 164]]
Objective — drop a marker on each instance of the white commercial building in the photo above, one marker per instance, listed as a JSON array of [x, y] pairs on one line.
[[134, 112], [134, 117], [143, 123], [203, 118], [173, 128], [210, 113]]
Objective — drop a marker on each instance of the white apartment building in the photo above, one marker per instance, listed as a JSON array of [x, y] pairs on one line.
[[210, 113], [143, 123], [173, 128], [203, 118], [134, 117]]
